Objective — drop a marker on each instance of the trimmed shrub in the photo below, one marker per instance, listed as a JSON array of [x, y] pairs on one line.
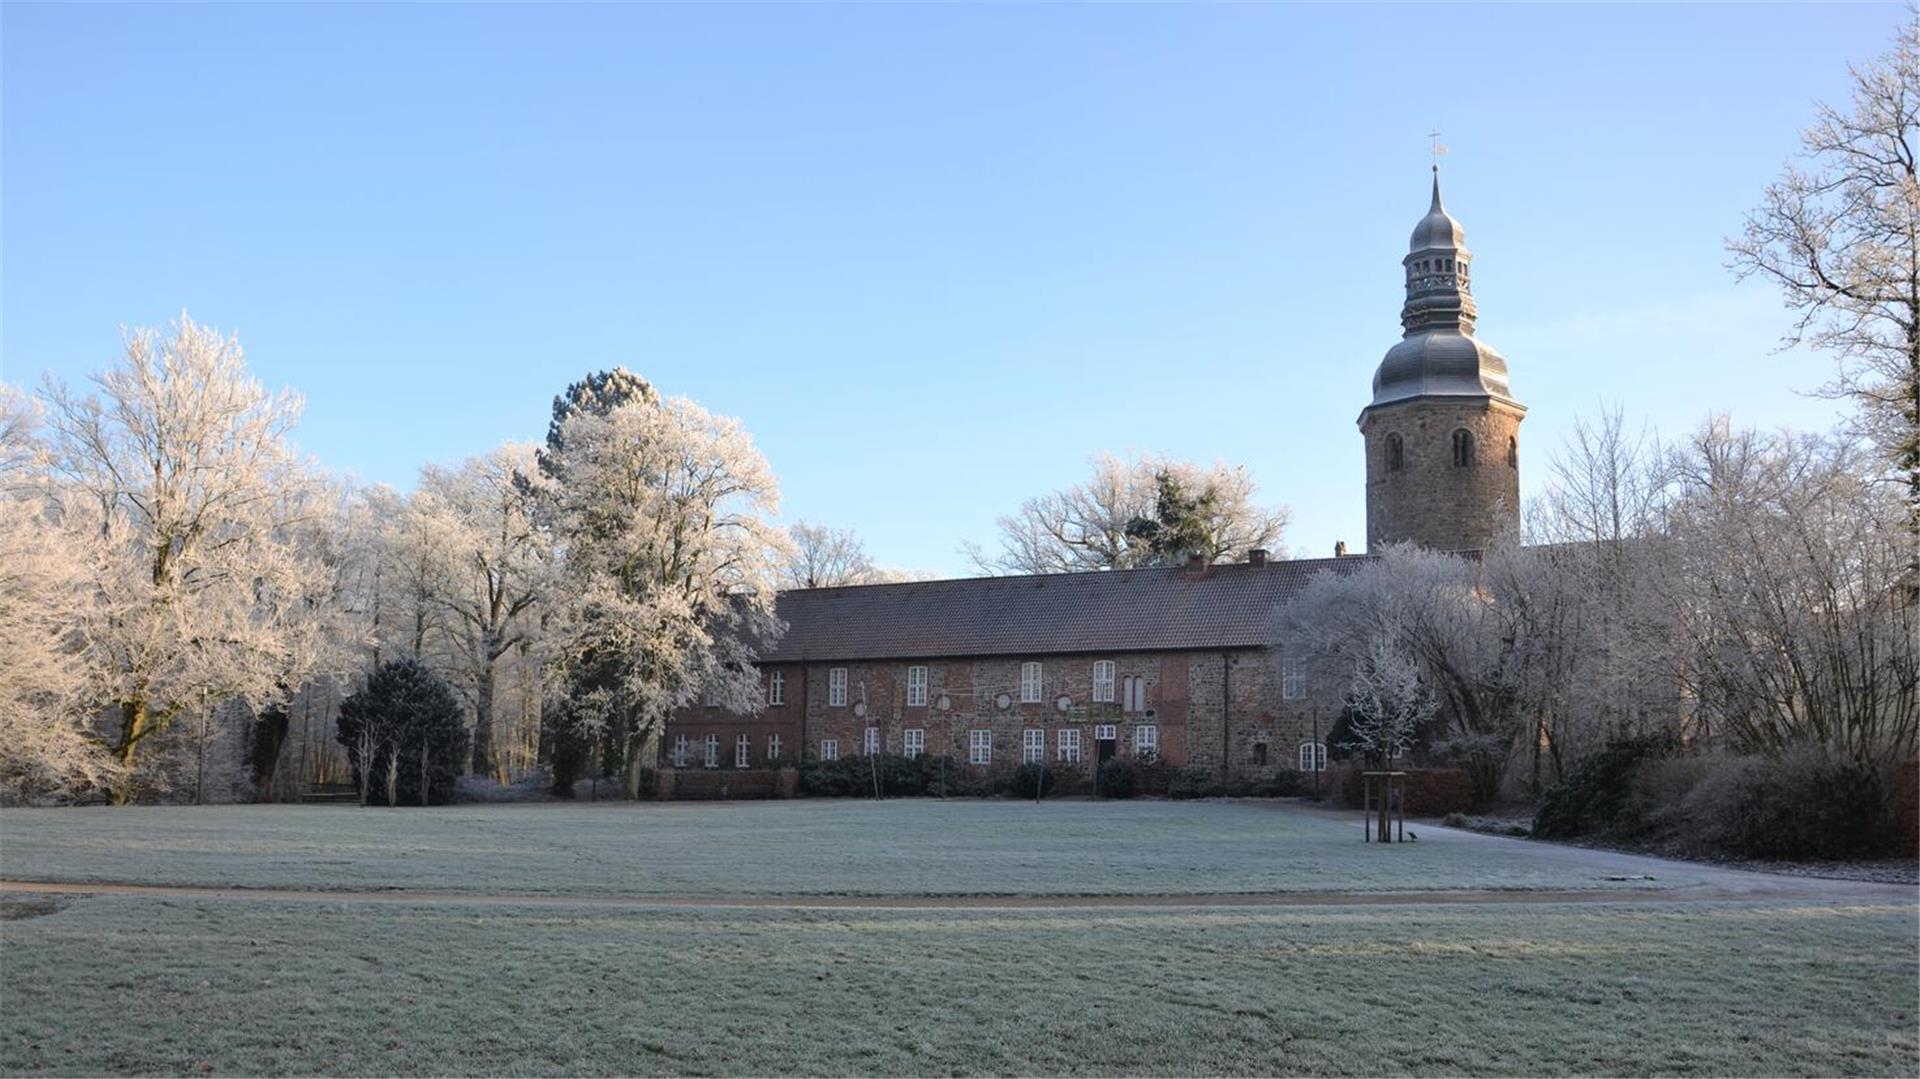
[[1022, 781], [1194, 782], [900, 777], [1116, 778], [1285, 783]]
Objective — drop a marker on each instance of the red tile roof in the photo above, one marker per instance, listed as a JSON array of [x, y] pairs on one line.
[[1159, 610]]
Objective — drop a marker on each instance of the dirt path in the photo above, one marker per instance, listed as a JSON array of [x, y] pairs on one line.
[[1779, 889]]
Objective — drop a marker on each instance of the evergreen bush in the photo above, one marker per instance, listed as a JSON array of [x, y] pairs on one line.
[[408, 725]]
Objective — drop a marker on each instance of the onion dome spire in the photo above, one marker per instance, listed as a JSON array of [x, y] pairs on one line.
[[1438, 355], [1439, 286]]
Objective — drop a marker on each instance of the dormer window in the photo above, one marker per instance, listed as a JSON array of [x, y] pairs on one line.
[[1462, 448]]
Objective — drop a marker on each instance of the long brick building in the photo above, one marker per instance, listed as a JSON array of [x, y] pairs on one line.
[[1072, 668]]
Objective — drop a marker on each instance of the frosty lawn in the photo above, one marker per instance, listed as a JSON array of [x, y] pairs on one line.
[[139, 985], [926, 847]]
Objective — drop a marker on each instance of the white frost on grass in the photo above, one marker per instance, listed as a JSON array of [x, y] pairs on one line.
[[901, 847], [373, 989]]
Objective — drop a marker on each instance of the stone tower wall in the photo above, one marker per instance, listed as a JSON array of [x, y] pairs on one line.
[[1430, 500]]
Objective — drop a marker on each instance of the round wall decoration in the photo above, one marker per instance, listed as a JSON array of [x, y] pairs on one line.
[[860, 708], [1003, 702], [944, 703], [1063, 702]]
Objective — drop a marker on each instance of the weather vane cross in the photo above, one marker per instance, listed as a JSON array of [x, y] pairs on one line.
[[1436, 147]]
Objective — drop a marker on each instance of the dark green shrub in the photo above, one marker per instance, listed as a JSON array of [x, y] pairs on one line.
[[900, 777], [1194, 782], [847, 777], [405, 725], [1799, 807], [947, 777], [1152, 775], [1022, 781], [1116, 778], [1595, 798], [1284, 783], [568, 754]]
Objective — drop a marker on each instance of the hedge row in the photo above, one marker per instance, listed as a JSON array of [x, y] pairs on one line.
[[894, 776]]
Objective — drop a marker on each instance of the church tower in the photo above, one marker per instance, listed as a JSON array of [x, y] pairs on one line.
[[1442, 432]]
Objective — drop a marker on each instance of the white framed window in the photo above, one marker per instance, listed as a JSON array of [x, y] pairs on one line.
[[1033, 746], [871, 744], [1313, 756], [1067, 745], [837, 687], [742, 751], [1293, 681], [1029, 683], [1133, 696], [710, 696], [980, 747], [915, 742], [1105, 732], [713, 751], [1146, 739], [773, 747], [777, 687], [916, 687], [829, 749], [1103, 681], [680, 751]]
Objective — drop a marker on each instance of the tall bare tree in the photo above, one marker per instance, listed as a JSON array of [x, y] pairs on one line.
[[1136, 511], [1840, 236], [825, 557], [494, 567]]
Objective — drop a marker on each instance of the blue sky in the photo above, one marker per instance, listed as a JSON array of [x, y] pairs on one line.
[[932, 256]]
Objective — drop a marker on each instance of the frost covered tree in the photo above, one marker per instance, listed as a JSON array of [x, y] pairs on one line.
[[1840, 237], [46, 746], [492, 566], [1790, 607], [1387, 704], [671, 561], [176, 483], [1136, 511], [1438, 610], [825, 557]]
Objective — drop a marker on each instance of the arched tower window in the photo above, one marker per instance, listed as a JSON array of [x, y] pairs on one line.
[[1462, 448], [1513, 452], [1396, 454]]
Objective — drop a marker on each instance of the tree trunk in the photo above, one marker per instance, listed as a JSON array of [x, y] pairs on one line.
[[135, 721], [483, 718]]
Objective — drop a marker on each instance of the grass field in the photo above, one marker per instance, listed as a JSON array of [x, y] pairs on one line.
[[907, 846], [113, 984]]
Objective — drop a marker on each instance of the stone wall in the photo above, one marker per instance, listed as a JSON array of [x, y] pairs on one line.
[[1429, 500]]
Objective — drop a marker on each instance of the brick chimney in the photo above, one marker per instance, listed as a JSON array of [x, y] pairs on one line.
[[1196, 562], [1340, 549], [1257, 556]]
